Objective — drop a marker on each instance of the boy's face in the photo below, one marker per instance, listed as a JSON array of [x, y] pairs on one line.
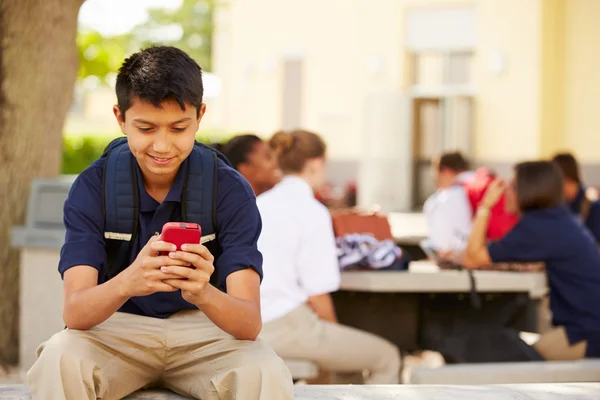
[[159, 138]]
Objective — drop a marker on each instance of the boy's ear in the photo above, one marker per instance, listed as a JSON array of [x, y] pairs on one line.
[[201, 112], [120, 118]]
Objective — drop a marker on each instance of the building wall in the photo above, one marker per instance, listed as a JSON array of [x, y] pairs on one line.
[[536, 76], [508, 107], [581, 103]]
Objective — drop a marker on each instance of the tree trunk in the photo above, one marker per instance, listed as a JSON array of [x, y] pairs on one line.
[[38, 68]]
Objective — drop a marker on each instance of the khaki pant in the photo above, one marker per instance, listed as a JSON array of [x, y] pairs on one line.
[[554, 345], [300, 334], [186, 353]]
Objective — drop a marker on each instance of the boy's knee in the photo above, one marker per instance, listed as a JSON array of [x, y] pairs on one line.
[[61, 350], [259, 360]]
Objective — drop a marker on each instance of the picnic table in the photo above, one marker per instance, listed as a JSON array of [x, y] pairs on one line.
[[396, 304]]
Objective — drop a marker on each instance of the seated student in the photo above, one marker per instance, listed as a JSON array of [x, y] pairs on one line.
[[301, 270], [447, 211], [582, 201], [547, 232], [254, 159], [151, 318]]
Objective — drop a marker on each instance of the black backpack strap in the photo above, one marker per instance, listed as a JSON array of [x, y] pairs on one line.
[[199, 195], [120, 206]]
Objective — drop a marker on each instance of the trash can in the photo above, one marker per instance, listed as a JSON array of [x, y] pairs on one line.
[[40, 241]]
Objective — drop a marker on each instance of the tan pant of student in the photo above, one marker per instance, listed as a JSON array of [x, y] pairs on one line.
[[554, 345], [300, 334], [186, 353]]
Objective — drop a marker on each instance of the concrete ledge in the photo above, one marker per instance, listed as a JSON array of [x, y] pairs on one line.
[[579, 391], [504, 373], [301, 369]]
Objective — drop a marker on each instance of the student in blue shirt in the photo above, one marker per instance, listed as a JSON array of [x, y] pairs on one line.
[[547, 232], [582, 201], [160, 321]]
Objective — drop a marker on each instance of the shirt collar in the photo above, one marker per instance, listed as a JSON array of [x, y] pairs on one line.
[[298, 184], [550, 212], [147, 203], [464, 177]]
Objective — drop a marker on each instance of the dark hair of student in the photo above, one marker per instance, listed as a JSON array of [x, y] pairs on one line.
[[239, 148], [157, 74], [568, 165], [454, 161], [538, 185]]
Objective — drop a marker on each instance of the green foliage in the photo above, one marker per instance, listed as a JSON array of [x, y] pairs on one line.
[[82, 150], [102, 56], [193, 18]]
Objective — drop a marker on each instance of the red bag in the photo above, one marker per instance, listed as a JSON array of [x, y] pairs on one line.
[[501, 222]]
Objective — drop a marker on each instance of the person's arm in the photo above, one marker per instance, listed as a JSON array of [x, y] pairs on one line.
[[317, 263], [239, 266], [83, 256], [477, 253], [524, 243], [87, 304], [237, 312], [322, 305]]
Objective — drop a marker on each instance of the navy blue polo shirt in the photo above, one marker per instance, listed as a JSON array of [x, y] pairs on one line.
[[572, 259], [238, 228], [593, 219]]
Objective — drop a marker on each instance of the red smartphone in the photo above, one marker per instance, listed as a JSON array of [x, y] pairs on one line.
[[180, 233]]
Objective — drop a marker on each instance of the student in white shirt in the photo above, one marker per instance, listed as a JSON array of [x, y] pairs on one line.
[[448, 211], [301, 270]]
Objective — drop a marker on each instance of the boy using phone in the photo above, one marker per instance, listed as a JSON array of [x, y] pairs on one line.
[[158, 321]]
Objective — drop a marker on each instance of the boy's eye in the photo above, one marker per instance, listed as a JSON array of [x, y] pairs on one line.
[[145, 129], [178, 129]]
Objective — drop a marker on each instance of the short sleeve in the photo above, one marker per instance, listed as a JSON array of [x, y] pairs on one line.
[[238, 226], [317, 263], [521, 244], [84, 239]]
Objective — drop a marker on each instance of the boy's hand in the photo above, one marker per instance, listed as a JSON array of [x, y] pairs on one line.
[[144, 275], [196, 279]]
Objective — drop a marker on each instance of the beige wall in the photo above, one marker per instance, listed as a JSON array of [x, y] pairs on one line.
[[544, 99], [582, 79], [341, 42], [508, 109]]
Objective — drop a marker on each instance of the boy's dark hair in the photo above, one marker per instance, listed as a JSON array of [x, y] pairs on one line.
[[538, 185], [239, 148], [157, 74], [568, 165], [454, 161]]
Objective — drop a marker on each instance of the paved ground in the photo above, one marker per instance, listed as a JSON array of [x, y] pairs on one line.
[[9, 375]]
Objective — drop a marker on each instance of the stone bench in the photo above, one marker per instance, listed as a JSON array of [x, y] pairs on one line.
[[301, 369], [503, 373], [579, 391]]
